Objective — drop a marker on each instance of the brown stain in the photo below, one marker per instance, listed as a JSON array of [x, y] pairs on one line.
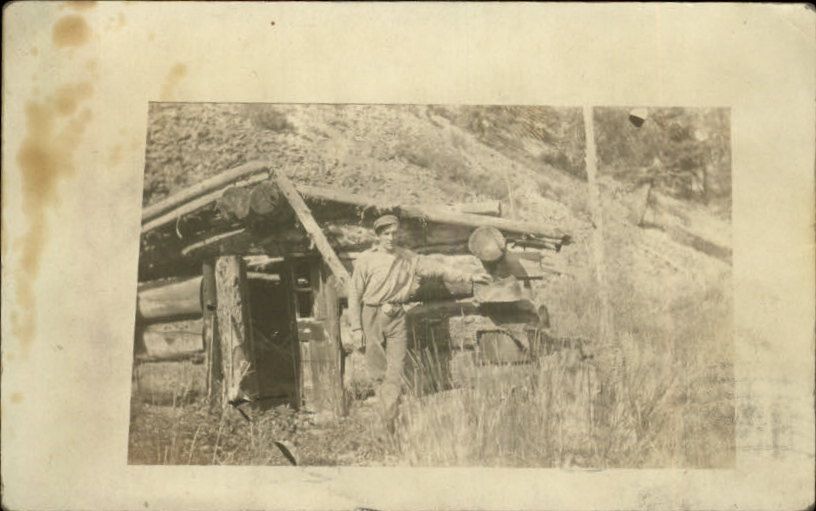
[[16, 397], [34, 51], [115, 155], [45, 157], [151, 36], [120, 20], [68, 97], [92, 66], [171, 82], [70, 30]]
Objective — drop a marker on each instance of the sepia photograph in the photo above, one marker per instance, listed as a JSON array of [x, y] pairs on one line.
[[434, 285], [407, 255]]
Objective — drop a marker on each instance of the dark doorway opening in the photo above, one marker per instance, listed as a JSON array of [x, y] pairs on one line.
[[277, 352]]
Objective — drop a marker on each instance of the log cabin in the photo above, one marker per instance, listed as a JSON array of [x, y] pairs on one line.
[[246, 273]]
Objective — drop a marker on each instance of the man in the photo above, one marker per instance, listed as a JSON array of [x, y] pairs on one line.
[[384, 278]]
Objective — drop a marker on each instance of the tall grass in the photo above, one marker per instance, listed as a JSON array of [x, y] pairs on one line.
[[659, 393], [564, 409], [503, 416]]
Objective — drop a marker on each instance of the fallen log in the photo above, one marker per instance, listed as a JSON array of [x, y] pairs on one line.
[[685, 225]]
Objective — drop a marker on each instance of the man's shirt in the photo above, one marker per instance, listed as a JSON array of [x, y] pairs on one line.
[[381, 277]]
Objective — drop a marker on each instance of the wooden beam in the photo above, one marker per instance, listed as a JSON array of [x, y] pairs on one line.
[[212, 343], [196, 356], [171, 337], [325, 352], [287, 285], [331, 318], [312, 228], [432, 213], [235, 331], [506, 225], [244, 242], [486, 208], [269, 277], [208, 185]]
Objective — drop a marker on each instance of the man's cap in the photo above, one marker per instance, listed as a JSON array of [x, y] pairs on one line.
[[385, 221]]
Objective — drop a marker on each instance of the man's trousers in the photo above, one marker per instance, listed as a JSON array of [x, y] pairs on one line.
[[386, 339]]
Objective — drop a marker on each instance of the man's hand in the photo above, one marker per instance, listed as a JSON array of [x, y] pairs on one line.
[[481, 278]]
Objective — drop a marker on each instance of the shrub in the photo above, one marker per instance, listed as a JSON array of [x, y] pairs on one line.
[[268, 117], [449, 165]]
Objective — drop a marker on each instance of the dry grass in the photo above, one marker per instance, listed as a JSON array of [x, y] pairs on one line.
[[658, 394], [530, 415], [450, 166], [171, 424], [565, 410]]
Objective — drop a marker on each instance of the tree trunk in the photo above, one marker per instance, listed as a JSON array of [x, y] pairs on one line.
[[596, 210]]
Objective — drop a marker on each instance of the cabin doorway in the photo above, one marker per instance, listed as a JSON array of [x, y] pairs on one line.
[[276, 346]]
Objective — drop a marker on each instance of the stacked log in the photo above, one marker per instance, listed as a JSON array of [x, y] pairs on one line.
[[262, 202]]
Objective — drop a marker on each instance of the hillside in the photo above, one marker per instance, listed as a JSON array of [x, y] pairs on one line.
[[671, 302], [530, 158]]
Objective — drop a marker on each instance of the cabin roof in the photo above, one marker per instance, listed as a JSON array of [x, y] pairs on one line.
[[238, 212]]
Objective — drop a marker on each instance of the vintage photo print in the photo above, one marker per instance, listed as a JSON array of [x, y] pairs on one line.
[[434, 285], [407, 255]]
